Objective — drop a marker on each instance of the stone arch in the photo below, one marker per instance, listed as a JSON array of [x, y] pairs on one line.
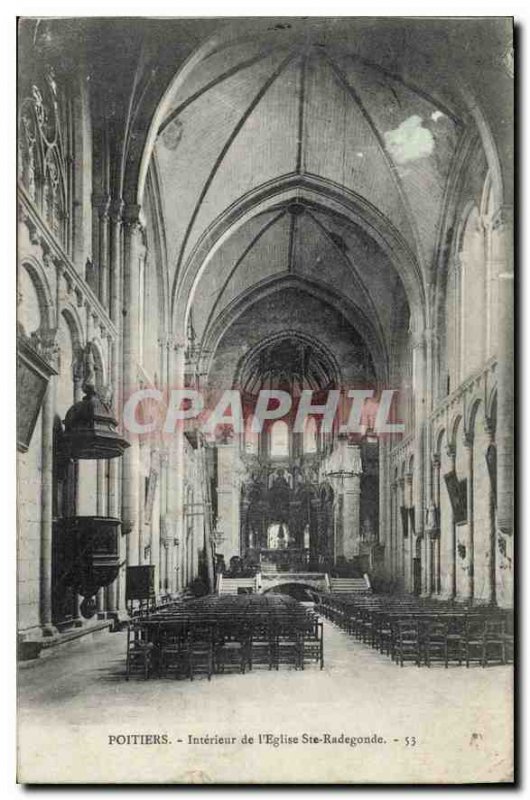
[[318, 193], [491, 405], [471, 410], [438, 440], [452, 429], [327, 356], [499, 180], [41, 284], [100, 364], [70, 362], [75, 325], [268, 286]]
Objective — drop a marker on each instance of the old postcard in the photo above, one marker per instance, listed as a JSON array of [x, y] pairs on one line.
[[265, 400]]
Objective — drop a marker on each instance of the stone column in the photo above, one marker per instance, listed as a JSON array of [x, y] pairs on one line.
[[401, 534], [114, 600], [101, 512], [48, 409], [451, 452], [502, 257], [435, 540], [422, 382], [101, 204], [470, 554], [391, 559], [175, 484], [162, 546], [384, 496], [131, 459], [228, 498], [351, 511], [492, 592], [408, 544]]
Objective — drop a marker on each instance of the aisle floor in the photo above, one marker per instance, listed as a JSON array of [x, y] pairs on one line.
[[424, 725]]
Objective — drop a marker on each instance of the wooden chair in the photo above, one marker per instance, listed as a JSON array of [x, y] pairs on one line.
[[407, 642], [261, 651], [140, 651], [287, 645], [313, 645], [433, 636], [232, 648], [200, 650], [474, 640], [174, 651], [495, 641], [456, 637]]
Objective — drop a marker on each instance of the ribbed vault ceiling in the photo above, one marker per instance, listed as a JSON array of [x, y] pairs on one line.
[[305, 242], [255, 110]]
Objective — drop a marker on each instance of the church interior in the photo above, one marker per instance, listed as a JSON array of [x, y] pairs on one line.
[[280, 204]]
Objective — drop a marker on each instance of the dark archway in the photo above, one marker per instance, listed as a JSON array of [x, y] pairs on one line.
[[302, 592]]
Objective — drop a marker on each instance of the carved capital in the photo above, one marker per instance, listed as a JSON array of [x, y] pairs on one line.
[[101, 202], [468, 439], [502, 219], [116, 210], [417, 339], [132, 219]]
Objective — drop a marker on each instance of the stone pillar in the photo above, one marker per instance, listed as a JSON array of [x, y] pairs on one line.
[[400, 539], [48, 409], [351, 515], [101, 512], [114, 599], [175, 481], [162, 546], [435, 540], [177, 548], [130, 309], [451, 452], [384, 496], [78, 394], [408, 544], [470, 554], [391, 557], [502, 256], [492, 592], [228, 498], [102, 205]]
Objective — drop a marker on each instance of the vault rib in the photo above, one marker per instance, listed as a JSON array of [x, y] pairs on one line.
[[215, 82], [239, 261], [219, 160], [387, 159]]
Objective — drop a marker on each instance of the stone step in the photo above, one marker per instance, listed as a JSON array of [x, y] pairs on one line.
[[348, 585]]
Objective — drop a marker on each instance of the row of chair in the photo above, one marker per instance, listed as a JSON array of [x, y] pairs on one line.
[[212, 637], [424, 632]]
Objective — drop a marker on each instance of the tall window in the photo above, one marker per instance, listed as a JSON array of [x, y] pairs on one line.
[[310, 435], [279, 438], [251, 438]]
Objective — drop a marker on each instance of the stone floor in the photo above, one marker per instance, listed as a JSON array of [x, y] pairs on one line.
[[430, 725]]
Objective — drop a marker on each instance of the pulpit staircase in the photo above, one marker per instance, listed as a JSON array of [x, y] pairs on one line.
[[350, 585]]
